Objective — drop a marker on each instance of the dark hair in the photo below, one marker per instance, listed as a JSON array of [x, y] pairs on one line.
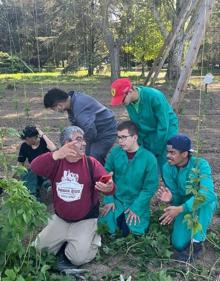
[[53, 96], [29, 132], [130, 126]]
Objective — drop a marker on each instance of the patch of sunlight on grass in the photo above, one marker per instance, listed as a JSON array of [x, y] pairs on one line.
[[46, 77]]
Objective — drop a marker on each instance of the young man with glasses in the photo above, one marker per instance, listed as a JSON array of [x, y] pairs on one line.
[[190, 193], [97, 121], [72, 231], [149, 109], [136, 178]]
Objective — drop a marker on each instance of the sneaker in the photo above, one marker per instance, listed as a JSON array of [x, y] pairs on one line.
[[65, 266], [191, 252]]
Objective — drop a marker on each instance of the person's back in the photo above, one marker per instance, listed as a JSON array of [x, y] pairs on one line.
[[149, 109], [153, 106], [96, 120]]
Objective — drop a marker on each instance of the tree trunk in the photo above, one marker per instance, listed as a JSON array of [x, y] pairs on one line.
[[199, 32], [115, 61], [175, 58], [90, 70], [176, 53], [158, 63], [142, 69]]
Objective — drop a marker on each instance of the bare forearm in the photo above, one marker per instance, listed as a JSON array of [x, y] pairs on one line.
[[50, 145]]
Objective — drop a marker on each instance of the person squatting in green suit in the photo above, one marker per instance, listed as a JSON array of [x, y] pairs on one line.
[[181, 172], [135, 175], [149, 109]]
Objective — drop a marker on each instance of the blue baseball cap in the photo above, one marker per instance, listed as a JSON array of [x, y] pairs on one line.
[[180, 142]]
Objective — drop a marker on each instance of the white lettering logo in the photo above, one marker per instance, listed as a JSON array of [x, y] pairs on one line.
[[69, 189]]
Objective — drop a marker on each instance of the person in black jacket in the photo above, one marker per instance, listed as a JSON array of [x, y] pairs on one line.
[[96, 120]]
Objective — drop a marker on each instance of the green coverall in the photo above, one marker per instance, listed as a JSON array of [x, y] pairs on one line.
[[156, 121], [136, 182], [178, 180]]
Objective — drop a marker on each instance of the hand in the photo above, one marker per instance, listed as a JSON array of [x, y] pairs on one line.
[[164, 194], [105, 187], [132, 217], [169, 214], [39, 132], [107, 208], [68, 150]]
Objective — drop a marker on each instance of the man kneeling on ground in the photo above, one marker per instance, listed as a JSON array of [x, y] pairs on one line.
[[75, 185], [190, 192], [135, 174]]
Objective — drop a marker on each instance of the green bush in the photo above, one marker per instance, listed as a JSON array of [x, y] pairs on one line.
[[12, 64]]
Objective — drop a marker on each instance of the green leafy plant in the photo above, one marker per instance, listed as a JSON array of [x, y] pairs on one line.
[[194, 188]]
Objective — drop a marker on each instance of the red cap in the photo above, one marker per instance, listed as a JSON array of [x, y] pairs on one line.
[[118, 89]]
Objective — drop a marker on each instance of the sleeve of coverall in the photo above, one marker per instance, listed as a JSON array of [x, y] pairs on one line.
[[162, 116], [149, 188], [206, 187], [109, 166], [170, 183]]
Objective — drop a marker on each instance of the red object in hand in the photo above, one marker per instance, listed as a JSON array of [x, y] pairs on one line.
[[105, 178]]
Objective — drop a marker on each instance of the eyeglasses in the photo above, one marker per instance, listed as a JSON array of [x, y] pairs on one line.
[[123, 138], [80, 139]]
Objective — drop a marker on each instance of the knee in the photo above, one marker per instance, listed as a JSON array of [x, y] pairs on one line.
[[179, 243], [81, 256]]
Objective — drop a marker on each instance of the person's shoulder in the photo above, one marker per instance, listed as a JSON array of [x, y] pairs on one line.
[[82, 96], [116, 149], [167, 168], [24, 145], [200, 162], [92, 159], [42, 141], [146, 153], [151, 91], [152, 95]]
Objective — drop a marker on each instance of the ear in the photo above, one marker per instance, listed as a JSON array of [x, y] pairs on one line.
[[185, 154]]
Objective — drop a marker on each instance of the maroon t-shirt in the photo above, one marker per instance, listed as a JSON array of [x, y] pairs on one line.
[[71, 184]]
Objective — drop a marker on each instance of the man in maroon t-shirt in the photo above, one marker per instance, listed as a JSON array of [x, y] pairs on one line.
[[75, 186]]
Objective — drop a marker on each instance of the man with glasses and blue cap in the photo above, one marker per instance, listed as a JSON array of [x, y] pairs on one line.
[[189, 190]]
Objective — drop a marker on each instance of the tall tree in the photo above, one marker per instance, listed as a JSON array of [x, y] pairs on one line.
[[203, 15], [168, 44]]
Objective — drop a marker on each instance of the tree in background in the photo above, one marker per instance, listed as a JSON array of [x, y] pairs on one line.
[[146, 43]]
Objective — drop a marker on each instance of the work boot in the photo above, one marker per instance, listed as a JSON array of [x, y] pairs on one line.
[[65, 266]]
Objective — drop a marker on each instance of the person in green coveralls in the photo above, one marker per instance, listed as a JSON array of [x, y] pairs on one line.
[[149, 109], [180, 173], [135, 175]]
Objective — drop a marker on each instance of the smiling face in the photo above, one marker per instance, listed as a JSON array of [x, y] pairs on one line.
[[127, 141], [176, 157]]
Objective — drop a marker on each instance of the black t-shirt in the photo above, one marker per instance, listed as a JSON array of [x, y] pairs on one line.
[[27, 152]]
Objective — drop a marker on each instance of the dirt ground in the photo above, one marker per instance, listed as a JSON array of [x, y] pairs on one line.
[[23, 105]]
